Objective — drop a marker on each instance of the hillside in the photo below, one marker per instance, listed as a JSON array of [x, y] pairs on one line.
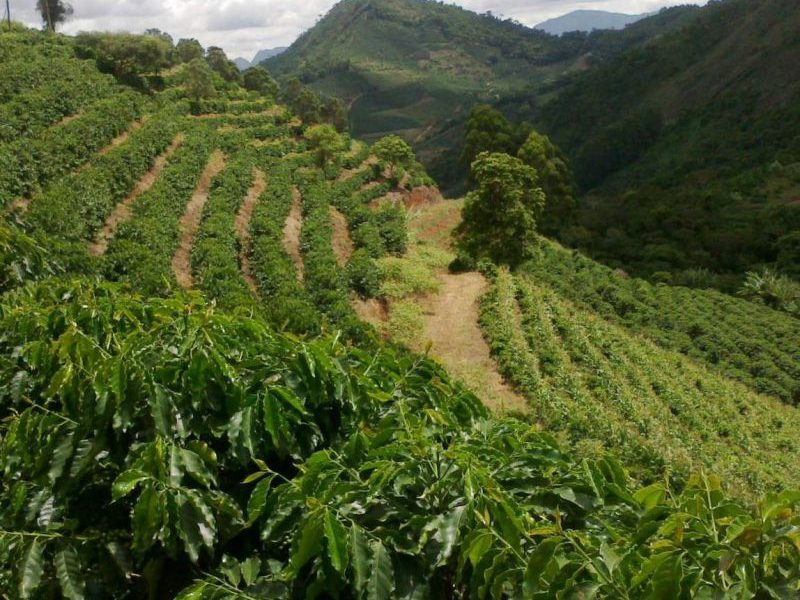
[[587, 20], [407, 65], [216, 381], [688, 142]]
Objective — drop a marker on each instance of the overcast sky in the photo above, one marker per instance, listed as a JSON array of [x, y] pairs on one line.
[[242, 27]]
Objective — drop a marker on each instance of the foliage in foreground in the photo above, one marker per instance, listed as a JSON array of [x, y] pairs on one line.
[[152, 447]]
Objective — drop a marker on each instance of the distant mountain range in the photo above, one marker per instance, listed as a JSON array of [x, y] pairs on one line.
[[588, 20], [260, 57]]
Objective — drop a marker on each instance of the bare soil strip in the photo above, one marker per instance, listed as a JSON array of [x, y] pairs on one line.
[[348, 173], [342, 244], [190, 222], [123, 211], [291, 233], [123, 137], [452, 328], [242, 227]]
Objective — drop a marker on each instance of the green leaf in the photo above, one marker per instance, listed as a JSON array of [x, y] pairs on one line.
[[250, 569], [255, 505], [61, 456], [650, 496], [32, 570], [126, 483], [69, 574], [307, 545], [447, 533], [479, 546], [336, 538], [381, 582], [195, 466], [666, 582], [359, 557], [147, 519], [538, 563]]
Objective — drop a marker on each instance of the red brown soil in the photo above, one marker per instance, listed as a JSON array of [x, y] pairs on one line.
[[123, 211], [342, 244], [190, 222], [242, 227], [291, 233]]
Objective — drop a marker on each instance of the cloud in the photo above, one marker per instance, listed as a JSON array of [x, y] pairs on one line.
[[242, 27]]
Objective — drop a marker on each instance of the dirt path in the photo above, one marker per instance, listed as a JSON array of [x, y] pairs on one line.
[[291, 233], [242, 227], [348, 173], [123, 137], [123, 211], [452, 328], [342, 244], [190, 222]]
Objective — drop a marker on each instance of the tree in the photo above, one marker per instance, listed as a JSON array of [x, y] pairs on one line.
[[222, 65], [189, 49], [199, 80], [125, 55], [334, 111], [325, 142], [555, 178], [54, 12], [303, 101], [487, 131], [789, 254], [394, 151], [258, 79], [500, 217]]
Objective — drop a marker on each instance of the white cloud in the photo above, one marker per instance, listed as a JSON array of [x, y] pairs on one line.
[[242, 27]]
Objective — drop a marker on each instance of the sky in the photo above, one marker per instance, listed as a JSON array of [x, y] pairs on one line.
[[242, 27]]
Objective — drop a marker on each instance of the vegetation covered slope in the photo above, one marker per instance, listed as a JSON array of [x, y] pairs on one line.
[[175, 445], [692, 140], [406, 65]]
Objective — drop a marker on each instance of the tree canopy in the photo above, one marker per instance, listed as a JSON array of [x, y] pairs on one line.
[[500, 217], [257, 79], [54, 12], [555, 178], [394, 151], [325, 142], [222, 65], [199, 80], [189, 49]]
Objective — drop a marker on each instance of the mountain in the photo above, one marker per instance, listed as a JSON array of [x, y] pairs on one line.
[[263, 55], [688, 143], [408, 65], [588, 20], [242, 63]]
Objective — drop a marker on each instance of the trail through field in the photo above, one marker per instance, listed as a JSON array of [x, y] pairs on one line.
[[243, 227], [452, 329], [190, 222], [291, 233], [124, 210], [342, 244], [123, 137], [451, 315], [348, 173]]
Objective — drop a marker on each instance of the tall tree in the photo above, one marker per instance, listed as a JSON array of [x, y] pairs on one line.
[[54, 12], [259, 80], [325, 142], [222, 65], [555, 178], [501, 215], [487, 131], [199, 80], [394, 151], [189, 49]]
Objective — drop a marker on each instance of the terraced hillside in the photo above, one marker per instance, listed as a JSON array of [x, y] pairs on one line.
[[192, 405]]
